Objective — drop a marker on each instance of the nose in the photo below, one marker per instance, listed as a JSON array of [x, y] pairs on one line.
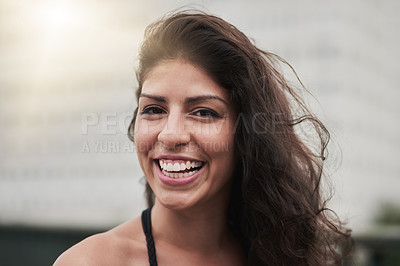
[[174, 133]]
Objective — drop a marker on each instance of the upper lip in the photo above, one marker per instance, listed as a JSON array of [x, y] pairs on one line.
[[176, 157]]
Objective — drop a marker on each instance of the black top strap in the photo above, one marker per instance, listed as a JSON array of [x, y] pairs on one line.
[[151, 249]]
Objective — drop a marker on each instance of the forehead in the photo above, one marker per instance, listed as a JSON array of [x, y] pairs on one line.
[[178, 77]]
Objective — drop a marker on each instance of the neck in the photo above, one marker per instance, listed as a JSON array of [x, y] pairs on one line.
[[200, 229]]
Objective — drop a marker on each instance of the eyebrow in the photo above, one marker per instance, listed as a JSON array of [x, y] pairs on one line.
[[154, 97], [203, 98], [187, 100]]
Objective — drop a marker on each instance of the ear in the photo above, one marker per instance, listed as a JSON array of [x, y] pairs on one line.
[[131, 128]]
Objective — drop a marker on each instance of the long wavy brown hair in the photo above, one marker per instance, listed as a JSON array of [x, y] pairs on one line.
[[276, 208]]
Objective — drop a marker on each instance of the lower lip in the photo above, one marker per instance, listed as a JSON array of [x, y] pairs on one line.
[[176, 181]]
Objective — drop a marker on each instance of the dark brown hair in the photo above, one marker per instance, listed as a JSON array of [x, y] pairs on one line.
[[276, 209]]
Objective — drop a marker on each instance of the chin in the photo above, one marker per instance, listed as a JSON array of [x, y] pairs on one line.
[[172, 201]]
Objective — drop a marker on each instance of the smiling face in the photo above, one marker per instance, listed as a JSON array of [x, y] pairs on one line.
[[184, 135]]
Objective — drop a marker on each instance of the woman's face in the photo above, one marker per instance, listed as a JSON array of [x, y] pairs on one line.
[[184, 135]]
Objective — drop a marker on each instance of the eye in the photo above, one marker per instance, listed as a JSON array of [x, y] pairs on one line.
[[152, 110], [206, 113]]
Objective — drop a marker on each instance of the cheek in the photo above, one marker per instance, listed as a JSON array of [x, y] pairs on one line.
[[217, 139], [145, 136]]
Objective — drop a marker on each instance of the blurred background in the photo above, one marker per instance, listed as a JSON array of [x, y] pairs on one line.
[[67, 82]]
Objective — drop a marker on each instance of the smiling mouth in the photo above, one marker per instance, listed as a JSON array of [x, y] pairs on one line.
[[179, 168]]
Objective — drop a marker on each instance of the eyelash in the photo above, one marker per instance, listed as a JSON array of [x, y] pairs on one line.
[[208, 113], [152, 110], [201, 112]]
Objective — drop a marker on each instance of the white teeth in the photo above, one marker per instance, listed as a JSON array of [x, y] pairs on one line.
[[179, 175], [170, 167], [176, 167]]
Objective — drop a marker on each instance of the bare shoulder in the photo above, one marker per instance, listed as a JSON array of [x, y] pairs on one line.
[[89, 251], [124, 244]]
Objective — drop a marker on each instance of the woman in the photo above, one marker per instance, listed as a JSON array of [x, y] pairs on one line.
[[229, 180]]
